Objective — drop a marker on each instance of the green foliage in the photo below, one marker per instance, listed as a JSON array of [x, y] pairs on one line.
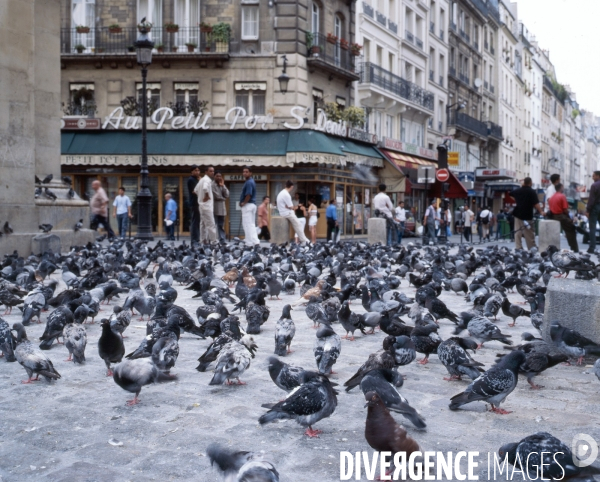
[[353, 116], [221, 32]]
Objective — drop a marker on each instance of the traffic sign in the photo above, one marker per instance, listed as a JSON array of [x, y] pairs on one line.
[[453, 159], [425, 175], [442, 175]]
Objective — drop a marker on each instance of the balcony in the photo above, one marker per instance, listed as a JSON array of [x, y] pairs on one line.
[[441, 82], [452, 71], [452, 26], [432, 27], [481, 6], [104, 42], [419, 43], [476, 46], [431, 75], [381, 18], [486, 85], [332, 58], [468, 124], [465, 36], [495, 131], [441, 35], [393, 26], [373, 74], [409, 36], [368, 10], [464, 78]]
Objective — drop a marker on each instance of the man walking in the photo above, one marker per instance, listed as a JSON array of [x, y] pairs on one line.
[[99, 208], [285, 206], [263, 219], [527, 200], [208, 229], [400, 219], [170, 216], [331, 218], [248, 205], [192, 182], [429, 221], [383, 204], [593, 209], [485, 216], [220, 195], [468, 216], [122, 211], [559, 210]]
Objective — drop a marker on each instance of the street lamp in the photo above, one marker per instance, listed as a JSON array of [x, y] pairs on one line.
[[144, 48], [284, 79]]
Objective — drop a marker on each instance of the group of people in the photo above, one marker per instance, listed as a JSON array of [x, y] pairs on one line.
[[396, 217]]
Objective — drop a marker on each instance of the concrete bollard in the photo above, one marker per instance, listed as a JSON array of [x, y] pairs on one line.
[[280, 230], [378, 231], [574, 304], [549, 234]]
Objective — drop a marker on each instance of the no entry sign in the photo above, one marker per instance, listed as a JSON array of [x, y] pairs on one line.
[[442, 175]]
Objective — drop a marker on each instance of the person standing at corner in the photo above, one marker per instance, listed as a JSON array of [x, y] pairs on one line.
[[208, 229], [192, 182], [331, 218], [527, 200], [170, 216], [122, 211], [285, 206], [554, 181], [400, 213], [220, 194], [429, 221], [248, 206], [593, 210], [383, 204], [99, 208], [263, 219], [559, 210]]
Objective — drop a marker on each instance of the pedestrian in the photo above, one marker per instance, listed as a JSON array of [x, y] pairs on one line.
[[99, 208], [551, 190], [192, 182], [593, 210], [285, 206], [500, 220], [478, 222], [400, 213], [485, 218], [429, 221], [448, 222], [263, 219], [331, 218], [301, 213], [458, 216], [559, 211], [383, 204], [220, 195], [468, 217], [313, 216], [248, 206], [170, 216], [527, 200], [208, 228], [122, 211]]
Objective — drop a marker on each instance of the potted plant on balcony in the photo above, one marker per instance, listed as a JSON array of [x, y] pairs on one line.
[[191, 46], [171, 27], [205, 27], [344, 44], [220, 35], [115, 28], [146, 26], [175, 48], [131, 48], [355, 49], [82, 29], [160, 48], [80, 48], [332, 39], [310, 46]]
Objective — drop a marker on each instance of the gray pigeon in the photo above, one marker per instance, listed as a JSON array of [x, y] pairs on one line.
[[7, 342], [242, 466], [285, 330], [75, 338], [328, 346], [132, 375], [482, 330], [32, 359], [454, 356]]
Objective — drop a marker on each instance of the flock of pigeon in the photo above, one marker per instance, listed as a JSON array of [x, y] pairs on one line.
[[326, 281]]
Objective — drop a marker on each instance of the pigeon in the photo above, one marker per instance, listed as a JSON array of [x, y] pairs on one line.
[[274, 287], [75, 338], [350, 321], [494, 385], [536, 362], [212, 352], [165, 352], [9, 300], [327, 348], [383, 359], [513, 311], [568, 261], [393, 325], [132, 375], [285, 329], [38, 192], [288, 377], [316, 312], [46, 228], [404, 350], [120, 320], [242, 466], [49, 194], [233, 360], [7, 228], [110, 346], [47, 179], [492, 305], [382, 381], [37, 180], [596, 367], [542, 451], [572, 343], [439, 309], [7, 342], [32, 359], [482, 330], [454, 356], [310, 402], [426, 340], [67, 180], [55, 324], [78, 225], [256, 316]]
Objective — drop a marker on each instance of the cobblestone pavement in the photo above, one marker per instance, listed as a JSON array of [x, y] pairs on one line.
[[61, 431]]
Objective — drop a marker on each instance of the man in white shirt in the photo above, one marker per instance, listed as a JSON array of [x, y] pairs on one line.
[[383, 204], [400, 218], [285, 206], [486, 217], [208, 228], [551, 191], [429, 220], [468, 216]]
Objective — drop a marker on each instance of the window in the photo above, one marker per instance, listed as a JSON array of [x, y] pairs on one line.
[[83, 13], [377, 122], [338, 28], [315, 18], [186, 98], [341, 101], [389, 126], [251, 96], [367, 50], [187, 16], [249, 22], [408, 72], [152, 10], [152, 94], [82, 101]]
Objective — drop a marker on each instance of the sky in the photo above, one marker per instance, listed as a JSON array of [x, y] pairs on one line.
[[570, 30]]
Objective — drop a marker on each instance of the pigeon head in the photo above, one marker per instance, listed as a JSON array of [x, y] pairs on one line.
[[372, 399], [510, 451], [117, 309], [21, 333], [388, 342], [403, 341], [275, 364], [513, 360], [286, 313], [324, 331], [249, 343]]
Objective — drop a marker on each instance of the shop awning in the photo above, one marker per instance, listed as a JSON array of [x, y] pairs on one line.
[[406, 161], [456, 190], [502, 186]]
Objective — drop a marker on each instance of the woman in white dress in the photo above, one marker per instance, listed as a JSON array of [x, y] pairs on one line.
[[312, 221]]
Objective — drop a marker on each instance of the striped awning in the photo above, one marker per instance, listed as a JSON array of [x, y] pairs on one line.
[[404, 160]]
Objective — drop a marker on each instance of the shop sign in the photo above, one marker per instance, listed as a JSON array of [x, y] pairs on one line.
[[362, 136], [112, 160], [79, 123], [240, 177], [454, 158], [495, 173], [407, 148]]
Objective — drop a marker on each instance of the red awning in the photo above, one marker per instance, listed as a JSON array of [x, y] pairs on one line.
[[456, 191], [406, 161]]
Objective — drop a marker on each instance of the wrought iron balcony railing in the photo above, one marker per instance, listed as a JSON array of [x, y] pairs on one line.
[[333, 52], [467, 123], [370, 11]]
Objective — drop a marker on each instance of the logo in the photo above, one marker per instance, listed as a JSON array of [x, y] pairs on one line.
[[584, 445]]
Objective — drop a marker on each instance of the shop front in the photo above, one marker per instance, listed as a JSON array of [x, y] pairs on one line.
[[498, 184], [322, 166]]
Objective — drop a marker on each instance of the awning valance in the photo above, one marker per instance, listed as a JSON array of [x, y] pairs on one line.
[[404, 160]]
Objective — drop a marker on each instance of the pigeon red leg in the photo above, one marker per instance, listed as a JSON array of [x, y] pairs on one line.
[[452, 378], [312, 433], [533, 385], [580, 361], [109, 373], [135, 401], [239, 382], [29, 380], [423, 361], [500, 411], [70, 357]]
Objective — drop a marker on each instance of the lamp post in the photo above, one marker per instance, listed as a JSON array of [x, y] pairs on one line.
[[144, 48], [284, 79]]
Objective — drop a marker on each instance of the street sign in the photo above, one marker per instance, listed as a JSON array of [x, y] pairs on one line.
[[442, 175], [453, 158], [425, 175]]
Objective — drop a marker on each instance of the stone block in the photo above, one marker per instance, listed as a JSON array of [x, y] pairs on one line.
[[42, 243], [378, 231], [280, 230], [574, 304], [549, 234]]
